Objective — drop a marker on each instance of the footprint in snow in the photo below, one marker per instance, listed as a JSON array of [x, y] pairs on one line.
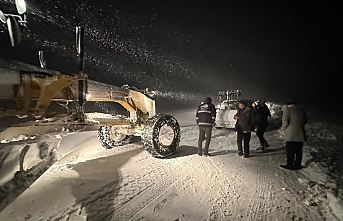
[[159, 205]]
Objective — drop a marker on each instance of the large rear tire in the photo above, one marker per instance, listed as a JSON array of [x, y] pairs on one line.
[[161, 135], [109, 137]]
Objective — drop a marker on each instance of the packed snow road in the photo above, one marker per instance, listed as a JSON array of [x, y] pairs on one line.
[[126, 183]]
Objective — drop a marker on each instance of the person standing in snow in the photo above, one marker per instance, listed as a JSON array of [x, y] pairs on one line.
[[294, 119], [205, 118], [244, 125], [262, 113]]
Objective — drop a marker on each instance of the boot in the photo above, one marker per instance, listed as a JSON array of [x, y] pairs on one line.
[[260, 147], [263, 147]]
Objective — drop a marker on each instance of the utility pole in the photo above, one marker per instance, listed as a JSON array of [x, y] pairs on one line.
[[82, 78]]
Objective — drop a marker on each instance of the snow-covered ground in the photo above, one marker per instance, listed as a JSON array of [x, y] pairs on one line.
[[65, 174]]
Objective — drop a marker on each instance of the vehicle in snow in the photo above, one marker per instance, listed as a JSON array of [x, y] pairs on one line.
[[227, 108], [33, 92]]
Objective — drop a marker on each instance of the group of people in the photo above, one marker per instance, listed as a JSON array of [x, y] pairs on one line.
[[255, 118]]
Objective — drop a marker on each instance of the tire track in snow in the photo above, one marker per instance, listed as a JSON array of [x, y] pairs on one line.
[[251, 183], [221, 205], [122, 198], [161, 175], [202, 183], [259, 201]]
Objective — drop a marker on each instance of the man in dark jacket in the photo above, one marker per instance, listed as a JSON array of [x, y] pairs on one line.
[[205, 117], [245, 121], [262, 113]]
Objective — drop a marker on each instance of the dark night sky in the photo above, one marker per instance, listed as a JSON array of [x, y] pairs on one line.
[[269, 49]]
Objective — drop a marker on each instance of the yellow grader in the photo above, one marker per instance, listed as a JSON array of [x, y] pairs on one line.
[[35, 90], [160, 133]]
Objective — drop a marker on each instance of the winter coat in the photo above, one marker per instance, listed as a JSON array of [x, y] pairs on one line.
[[246, 120], [262, 113], [206, 114], [294, 119]]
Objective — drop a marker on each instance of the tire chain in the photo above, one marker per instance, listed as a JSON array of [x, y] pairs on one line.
[[103, 135], [150, 135]]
